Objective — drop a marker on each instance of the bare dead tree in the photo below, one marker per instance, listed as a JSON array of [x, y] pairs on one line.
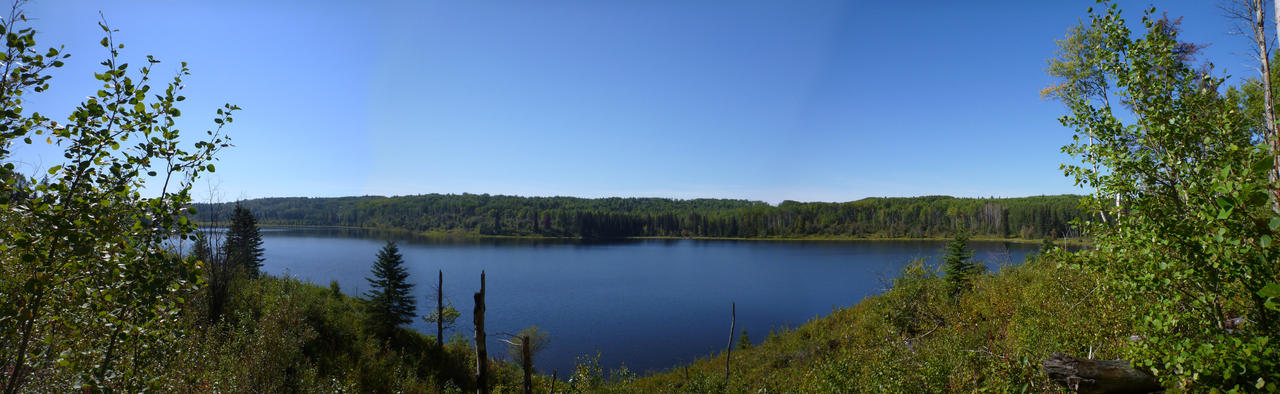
[[1275, 138], [482, 356], [440, 312], [1252, 13], [553, 381], [526, 363], [733, 319], [445, 316], [209, 250], [522, 346]]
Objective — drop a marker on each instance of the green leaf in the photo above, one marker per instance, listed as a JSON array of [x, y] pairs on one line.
[[1263, 165], [104, 42], [1274, 224], [1265, 241], [54, 169], [1271, 290], [1223, 202]]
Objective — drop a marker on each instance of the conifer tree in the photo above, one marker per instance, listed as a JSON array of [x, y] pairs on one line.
[[1047, 245], [243, 247], [390, 301], [959, 266]]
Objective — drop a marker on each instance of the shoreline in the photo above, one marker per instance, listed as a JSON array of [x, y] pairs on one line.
[[808, 238]]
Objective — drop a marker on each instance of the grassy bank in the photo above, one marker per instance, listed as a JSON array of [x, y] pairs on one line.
[[915, 338], [836, 238]]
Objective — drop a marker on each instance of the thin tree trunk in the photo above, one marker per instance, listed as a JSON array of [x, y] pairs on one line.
[[18, 371], [440, 312], [1268, 105], [1275, 139], [482, 356], [111, 349], [553, 381], [527, 363], [733, 319], [1103, 211]]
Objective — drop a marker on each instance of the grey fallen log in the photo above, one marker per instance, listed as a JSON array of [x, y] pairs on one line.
[[1098, 376]]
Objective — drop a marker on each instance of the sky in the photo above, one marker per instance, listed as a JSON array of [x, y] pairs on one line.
[[769, 101]]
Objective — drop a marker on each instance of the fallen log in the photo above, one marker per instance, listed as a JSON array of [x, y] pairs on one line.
[[1098, 376]]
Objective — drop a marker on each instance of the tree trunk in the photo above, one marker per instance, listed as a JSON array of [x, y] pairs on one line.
[[482, 356], [1268, 105], [1275, 138], [440, 312], [527, 363], [1098, 376], [733, 319]]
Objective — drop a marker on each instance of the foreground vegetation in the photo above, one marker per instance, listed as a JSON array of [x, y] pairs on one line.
[[907, 217], [283, 335], [915, 338]]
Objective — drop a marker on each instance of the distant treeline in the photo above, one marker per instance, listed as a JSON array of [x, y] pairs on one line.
[[911, 217]]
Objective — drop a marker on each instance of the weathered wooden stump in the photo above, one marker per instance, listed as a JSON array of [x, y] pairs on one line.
[[1098, 376]]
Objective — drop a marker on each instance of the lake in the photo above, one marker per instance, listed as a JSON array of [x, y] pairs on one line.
[[647, 304]]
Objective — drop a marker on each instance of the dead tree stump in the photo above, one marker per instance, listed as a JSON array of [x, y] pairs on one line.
[[1098, 376], [440, 312], [482, 356], [526, 363]]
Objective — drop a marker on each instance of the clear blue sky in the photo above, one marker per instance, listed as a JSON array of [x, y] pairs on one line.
[[810, 101]]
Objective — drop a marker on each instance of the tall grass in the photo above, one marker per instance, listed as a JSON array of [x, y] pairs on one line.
[[916, 338]]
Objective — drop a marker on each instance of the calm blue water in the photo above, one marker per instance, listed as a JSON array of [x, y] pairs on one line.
[[648, 304]]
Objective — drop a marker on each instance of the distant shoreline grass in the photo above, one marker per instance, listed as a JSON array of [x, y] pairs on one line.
[[807, 238], [842, 238]]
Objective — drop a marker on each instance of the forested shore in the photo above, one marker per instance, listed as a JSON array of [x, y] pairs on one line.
[[497, 215]]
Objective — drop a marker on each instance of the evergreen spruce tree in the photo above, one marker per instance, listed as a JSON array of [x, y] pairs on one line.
[[1047, 245], [390, 302], [243, 247], [959, 266]]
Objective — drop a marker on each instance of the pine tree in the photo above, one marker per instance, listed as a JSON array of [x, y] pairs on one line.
[[1047, 245], [959, 266], [390, 302], [243, 247]]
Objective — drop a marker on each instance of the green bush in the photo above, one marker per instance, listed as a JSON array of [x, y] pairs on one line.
[[1184, 217]]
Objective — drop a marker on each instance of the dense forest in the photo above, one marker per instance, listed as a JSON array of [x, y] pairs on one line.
[[913, 217]]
